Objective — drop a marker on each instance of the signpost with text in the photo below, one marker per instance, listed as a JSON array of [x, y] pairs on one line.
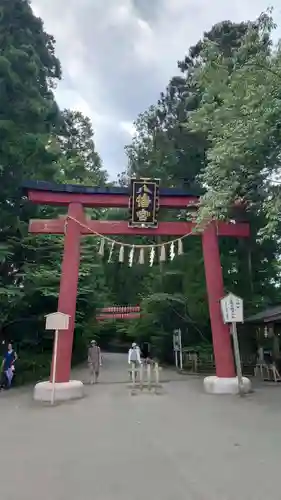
[[177, 344], [56, 321], [233, 313]]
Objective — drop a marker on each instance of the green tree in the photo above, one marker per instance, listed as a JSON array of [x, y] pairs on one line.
[[37, 142], [240, 113], [169, 146], [28, 115], [79, 161]]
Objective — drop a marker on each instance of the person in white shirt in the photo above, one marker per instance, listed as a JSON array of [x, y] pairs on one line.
[[94, 361], [134, 358]]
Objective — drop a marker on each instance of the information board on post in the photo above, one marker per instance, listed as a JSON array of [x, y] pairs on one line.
[[232, 309], [56, 321], [177, 345]]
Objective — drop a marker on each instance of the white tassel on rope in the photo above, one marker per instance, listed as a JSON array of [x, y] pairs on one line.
[[162, 256], [152, 256], [101, 249], [111, 252], [121, 254], [131, 256], [172, 251], [180, 247], [141, 256]]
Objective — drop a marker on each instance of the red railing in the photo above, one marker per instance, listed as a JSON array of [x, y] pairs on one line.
[[119, 309], [118, 312]]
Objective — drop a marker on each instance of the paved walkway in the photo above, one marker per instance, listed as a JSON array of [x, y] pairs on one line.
[[182, 444]]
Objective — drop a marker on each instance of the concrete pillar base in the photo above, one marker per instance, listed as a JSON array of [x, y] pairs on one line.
[[218, 385], [65, 391]]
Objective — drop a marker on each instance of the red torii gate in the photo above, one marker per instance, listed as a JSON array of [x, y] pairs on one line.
[[75, 198]]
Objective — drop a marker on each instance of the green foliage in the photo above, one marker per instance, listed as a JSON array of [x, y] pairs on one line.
[[79, 161], [28, 114], [189, 139], [240, 114], [38, 142]]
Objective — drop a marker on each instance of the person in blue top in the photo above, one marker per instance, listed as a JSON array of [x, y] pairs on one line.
[[8, 365]]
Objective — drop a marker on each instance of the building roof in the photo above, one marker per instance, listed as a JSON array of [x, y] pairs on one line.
[[269, 315]]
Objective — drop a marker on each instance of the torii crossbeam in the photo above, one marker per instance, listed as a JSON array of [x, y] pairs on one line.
[[76, 225]]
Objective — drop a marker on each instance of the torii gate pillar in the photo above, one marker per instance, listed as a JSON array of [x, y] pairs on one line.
[[66, 389], [215, 289], [68, 290], [225, 380]]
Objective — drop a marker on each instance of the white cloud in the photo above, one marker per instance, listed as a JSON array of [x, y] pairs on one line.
[[128, 127], [118, 55], [72, 99]]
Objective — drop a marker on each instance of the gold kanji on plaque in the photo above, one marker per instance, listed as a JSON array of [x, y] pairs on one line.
[[142, 215], [144, 195], [144, 202]]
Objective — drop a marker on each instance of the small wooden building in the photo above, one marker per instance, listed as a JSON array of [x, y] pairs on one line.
[[267, 324]]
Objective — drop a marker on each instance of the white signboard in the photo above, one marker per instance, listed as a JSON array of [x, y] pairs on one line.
[[57, 321], [176, 340], [177, 347], [232, 309]]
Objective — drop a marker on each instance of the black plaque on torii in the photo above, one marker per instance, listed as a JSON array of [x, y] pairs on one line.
[[144, 202]]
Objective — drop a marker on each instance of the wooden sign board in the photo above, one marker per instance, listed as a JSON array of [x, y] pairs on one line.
[[232, 309], [57, 321]]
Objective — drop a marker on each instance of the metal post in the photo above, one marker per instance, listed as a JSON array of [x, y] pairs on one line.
[[181, 363], [141, 376], [156, 368], [54, 367], [133, 374], [237, 360], [180, 349], [149, 376], [176, 358]]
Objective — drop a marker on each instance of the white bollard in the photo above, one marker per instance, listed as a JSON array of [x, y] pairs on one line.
[[149, 376], [156, 369], [141, 376], [133, 368], [134, 377]]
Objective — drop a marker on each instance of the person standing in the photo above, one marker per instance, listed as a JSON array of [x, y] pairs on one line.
[[134, 358], [8, 366], [94, 361]]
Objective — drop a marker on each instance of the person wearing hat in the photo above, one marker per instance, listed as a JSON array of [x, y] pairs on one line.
[[94, 361], [134, 358]]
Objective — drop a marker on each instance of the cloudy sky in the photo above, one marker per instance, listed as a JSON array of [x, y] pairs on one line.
[[117, 55]]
